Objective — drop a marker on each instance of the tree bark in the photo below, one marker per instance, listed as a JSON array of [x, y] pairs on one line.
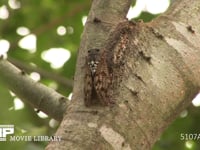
[[160, 77], [36, 94]]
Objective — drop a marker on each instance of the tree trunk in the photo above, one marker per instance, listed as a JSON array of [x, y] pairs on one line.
[[158, 78]]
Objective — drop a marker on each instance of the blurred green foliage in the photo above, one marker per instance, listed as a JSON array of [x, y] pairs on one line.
[[43, 17]]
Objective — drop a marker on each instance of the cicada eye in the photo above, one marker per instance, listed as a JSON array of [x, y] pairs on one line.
[[89, 51], [97, 50]]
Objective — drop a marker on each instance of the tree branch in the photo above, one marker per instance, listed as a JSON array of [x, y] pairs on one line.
[[159, 79], [28, 68], [36, 94]]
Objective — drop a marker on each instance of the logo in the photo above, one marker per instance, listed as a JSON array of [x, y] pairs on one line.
[[5, 130]]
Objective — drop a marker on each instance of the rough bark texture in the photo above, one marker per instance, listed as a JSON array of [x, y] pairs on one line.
[[160, 77]]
